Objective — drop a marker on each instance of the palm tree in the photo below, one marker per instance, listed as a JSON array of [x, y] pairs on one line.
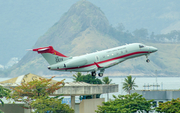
[[106, 80], [4, 93], [129, 84], [77, 77]]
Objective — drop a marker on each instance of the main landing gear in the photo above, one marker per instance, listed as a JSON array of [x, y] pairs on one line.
[[100, 74], [94, 74]]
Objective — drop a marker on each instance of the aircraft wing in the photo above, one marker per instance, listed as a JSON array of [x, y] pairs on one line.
[[112, 63]]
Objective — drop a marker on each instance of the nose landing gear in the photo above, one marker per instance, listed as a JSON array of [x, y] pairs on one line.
[[147, 59]]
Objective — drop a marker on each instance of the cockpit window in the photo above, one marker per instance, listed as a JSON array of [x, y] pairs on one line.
[[141, 46]]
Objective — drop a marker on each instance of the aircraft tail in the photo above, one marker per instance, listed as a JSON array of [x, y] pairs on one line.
[[52, 56]]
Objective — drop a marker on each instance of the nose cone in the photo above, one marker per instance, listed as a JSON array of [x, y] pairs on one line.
[[153, 49], [49, 67]]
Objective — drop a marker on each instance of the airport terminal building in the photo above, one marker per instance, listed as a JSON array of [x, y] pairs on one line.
[[159, 96]]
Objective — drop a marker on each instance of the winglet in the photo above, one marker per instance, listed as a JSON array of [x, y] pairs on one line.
[[97, 65]]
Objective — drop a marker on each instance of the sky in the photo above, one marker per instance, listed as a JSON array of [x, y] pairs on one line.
[[23, 22]]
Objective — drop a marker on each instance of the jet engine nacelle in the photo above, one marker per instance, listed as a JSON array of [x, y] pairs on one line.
[[75, 62]]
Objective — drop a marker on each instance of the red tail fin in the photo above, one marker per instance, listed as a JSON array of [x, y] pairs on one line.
[[50, 50]]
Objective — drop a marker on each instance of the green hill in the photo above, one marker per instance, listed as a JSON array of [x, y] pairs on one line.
[[83, 29], [80, 30]]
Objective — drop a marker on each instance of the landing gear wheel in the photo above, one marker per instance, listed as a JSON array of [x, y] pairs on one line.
[[147, 60], [100, 74], [93, 73]]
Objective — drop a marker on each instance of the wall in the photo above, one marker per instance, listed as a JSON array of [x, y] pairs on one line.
[[90, 105], [14, 108]]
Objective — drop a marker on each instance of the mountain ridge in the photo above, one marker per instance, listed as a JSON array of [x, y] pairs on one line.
[[66, 34], [83, 32]]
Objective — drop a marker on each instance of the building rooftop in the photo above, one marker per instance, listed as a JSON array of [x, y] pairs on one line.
[[70, 88]]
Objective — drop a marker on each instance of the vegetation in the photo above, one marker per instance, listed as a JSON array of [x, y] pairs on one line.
[[140, 33], [126, 104], [4, 93], [173, 36], [78, 77], [172, 106], [86, 78], [129, 84], [106, 80], [36, 95], [119, 34], [1, 111], [44, 104]]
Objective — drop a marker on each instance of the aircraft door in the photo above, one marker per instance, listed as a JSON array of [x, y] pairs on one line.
[[97, 58]]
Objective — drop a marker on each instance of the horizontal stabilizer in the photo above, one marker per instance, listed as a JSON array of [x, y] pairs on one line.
[[50, 50], [43, 49]]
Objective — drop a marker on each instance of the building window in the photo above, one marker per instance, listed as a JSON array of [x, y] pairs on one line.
[[154, 104], [160, 102]]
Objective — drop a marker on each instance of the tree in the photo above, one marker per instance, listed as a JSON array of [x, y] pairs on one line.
[[126, 104], [4, 93], [37, 92], [141, 33], [106, 80], [152, 35], [120, 27], [77, 77], [54, 105], [129, 84], [172, 106], [86, 78]]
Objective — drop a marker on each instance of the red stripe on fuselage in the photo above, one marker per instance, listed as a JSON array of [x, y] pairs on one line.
[[119, 57]]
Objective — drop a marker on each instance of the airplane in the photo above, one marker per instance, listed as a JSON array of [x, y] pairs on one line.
[[97, 61]]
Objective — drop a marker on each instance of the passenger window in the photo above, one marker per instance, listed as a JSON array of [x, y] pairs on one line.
[[121, 52]]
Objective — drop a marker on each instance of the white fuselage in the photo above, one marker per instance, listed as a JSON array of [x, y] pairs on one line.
[[103, 59]]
